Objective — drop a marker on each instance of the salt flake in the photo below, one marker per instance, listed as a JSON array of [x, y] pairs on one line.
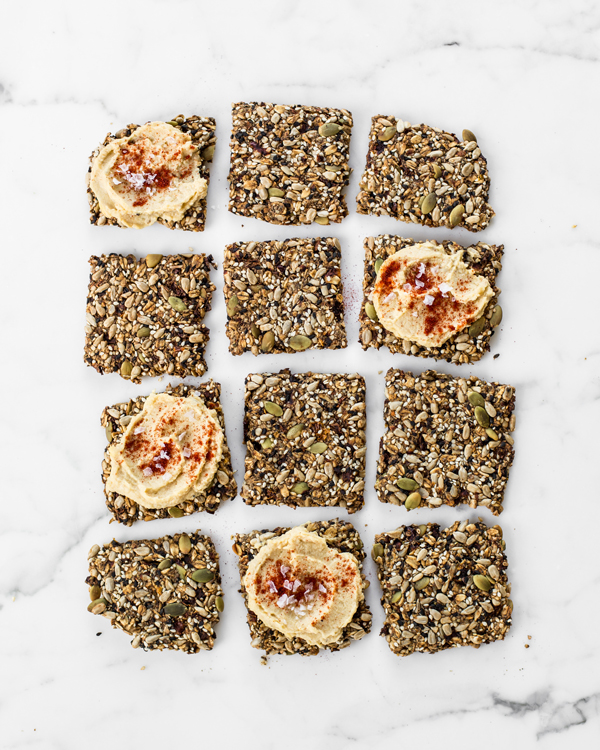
[[429, 299], [147, 472]]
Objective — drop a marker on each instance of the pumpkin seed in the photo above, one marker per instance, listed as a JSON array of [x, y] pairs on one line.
[[510, 604], [174, 123], [412, 501], [378, 264], [437, 171], [219, 604], [268, 342], [422, 583], [321, 220], [109, 432], [185, 544], [475, 399], [175, 512], [299, 488], [388, 133], [429, 203], [329, 128], [318, 448], [203, 575], [456, 215], [406, 483], [397, 597], [165, 564], [482, 416], [95, 592], [492, 434], [182, 572], [153, 260], [98, 606], [232, 305], [371, 311], [266, 444], [177, 304], [377, 551], [422, 529], [175, 609], [208, 153], [300, 343], [482, 582], [496, 318], [143, 332], [276, 192], [477, 327], [273, 409], [295, 431], [468, 136], [126, 369]]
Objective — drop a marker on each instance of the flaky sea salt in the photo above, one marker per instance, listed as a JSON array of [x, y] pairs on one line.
[[429, 299], [147, 472]]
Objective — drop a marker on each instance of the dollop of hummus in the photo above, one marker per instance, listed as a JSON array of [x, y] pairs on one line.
[[151, 174], [169, 452], [303, 588], [425, 295]]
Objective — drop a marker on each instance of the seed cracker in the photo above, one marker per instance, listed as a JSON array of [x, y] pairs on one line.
[[148, 588], [339, 535], [115, 420], [436, 445], [443, 588], [423, 175], [289, 164], [305, 440], [144, 316], [202, 132], [465, 346], [284, 296]]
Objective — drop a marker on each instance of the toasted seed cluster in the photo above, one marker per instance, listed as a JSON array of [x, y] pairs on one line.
[[424, 175], [289, 164], [284, 296], [202, 132], [443, 588], [115, 420], [339, 535], [448, 441], [164, 592], [144, 316], [468, 345], [305, 440]]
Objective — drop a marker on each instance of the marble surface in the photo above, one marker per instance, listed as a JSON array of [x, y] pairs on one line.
[[524, 76]]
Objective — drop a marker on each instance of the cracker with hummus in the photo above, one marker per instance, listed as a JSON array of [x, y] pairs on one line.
[[448, 441], [304, 587], [165, 592], [157, 172], [430, 299], [284, 296], [167, 455], [305, 440], [289, 164], [443, 587], [423, 175], [144, 315]]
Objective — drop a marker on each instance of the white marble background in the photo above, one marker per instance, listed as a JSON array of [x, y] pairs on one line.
[[524, 76]]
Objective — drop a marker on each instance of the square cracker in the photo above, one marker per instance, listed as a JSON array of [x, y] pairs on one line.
[[202, 132], [289, 164], [339, 535], [124, 510], [164, 592], [144, 316], [443, 587], [465, 346], [305, 440], [424, 175], [284, 296], [448, 439]]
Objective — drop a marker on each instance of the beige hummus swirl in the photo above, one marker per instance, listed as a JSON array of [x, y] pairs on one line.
[[151, 174], [425, 295], [169, 452], [303, 588]]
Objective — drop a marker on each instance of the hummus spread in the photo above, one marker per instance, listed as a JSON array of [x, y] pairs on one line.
[[303, 588], [151, 174], [423, 294], [169, 452]]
